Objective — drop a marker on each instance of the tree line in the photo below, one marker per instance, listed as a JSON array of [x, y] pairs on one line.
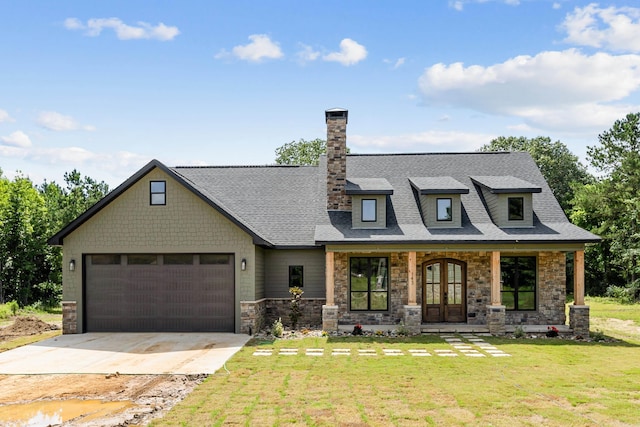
[[606, 203], [30, 269]]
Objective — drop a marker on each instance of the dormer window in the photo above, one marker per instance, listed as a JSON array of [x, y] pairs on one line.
[[369, 210], [158, 193], [515, 205], [444, 209], [369, 201], [440, 200], [509, 199]]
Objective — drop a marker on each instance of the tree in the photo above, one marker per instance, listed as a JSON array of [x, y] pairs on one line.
[[302, 152], [561, 169], [611, 206]]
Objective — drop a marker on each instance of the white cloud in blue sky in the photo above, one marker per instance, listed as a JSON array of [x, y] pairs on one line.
[[241, 78], [93, 27]]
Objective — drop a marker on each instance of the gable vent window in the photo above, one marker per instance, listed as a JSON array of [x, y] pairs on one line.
[[516, 208], [158, 193], [369, 210]]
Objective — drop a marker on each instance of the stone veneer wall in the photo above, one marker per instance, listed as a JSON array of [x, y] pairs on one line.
[[252, 316], [279, 308], [551, 289], [337, 198], [69, 317]]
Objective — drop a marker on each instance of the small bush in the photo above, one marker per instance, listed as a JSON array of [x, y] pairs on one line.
[[277, 329], [13, 306], [598, 335], [519, 332], [403, 330], [624, 295], [5, 311]]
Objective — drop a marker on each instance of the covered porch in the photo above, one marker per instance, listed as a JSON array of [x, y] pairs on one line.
[[482, 296]]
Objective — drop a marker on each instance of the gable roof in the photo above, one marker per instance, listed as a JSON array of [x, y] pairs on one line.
[[285, 206]]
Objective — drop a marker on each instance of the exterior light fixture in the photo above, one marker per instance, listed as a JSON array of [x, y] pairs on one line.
[[72, 265], [243, 264]]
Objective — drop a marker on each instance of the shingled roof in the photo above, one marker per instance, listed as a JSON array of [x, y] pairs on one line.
[[284, 206]]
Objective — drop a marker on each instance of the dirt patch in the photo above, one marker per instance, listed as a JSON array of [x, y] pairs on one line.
[[80, 400], [146, 396], [23, 326]]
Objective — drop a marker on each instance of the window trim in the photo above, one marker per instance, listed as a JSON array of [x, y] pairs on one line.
[[292, 275], [369, 291], [450, 219], [522, 214], [163, 192], [375, 210], [516, 285]]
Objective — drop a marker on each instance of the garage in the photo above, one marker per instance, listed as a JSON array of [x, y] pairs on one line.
[[159, 293]]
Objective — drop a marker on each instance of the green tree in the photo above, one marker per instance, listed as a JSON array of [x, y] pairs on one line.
[[302, 152], [611, 206], [561, 169]]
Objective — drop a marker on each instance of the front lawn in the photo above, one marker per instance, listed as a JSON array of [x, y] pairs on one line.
[[549, 382]]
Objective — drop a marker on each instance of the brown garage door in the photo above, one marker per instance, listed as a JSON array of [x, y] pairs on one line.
[[159, 293]]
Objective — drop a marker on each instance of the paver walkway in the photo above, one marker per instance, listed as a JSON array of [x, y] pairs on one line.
[[467, 345]]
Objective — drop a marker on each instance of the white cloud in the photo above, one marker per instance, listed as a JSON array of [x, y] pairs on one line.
[[556, 6], [58, 122], [459, 4], [5, 117], [260, 48], [17, 139], [307, 54], [545, 90], [421, 142], [351, 52], [143, 30], [611, 28], [396, 64]]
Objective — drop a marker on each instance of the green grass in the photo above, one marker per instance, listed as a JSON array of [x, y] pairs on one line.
[[621, 321], [546, 382]]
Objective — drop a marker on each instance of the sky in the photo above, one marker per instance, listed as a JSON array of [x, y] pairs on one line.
[[105, 87]]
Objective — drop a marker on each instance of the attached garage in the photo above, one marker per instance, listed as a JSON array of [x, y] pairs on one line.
[[159, 293]]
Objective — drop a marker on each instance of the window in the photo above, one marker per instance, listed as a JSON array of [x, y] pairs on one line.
[[444, 212], [369, 284], [215, 259], [296, 276], [369, 213], [518, 282], [178, 259], [105, 259], [516, 208], [158, 193], [142, 259]]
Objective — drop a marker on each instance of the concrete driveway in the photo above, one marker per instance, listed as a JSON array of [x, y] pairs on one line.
[[125, 353]]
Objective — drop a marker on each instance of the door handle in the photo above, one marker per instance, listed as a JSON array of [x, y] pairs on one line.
[[446, 298]]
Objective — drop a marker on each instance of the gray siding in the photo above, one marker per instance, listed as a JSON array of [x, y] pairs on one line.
[[277, 264], [428, 205], [498, 209], [381, 214], [259, 273]]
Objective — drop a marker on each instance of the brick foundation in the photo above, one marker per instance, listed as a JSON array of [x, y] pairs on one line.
[[69, 317]]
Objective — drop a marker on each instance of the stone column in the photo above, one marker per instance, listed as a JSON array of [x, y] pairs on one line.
[[69, 317], [412, 318], [578, 311], [330, 310], [496, 311]]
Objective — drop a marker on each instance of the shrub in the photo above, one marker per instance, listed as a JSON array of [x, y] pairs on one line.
[[13, 306], [296, 311], [5, 311], [403, 330], [598, 335], [519, 332], [277, 329], [621, 294]]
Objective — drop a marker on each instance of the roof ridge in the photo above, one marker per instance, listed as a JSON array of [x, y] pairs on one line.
[[240, 166]]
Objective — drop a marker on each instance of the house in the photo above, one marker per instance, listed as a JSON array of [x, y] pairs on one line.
[[466, 238]]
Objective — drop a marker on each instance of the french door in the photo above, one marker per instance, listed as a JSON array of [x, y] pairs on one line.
[[444, 291]]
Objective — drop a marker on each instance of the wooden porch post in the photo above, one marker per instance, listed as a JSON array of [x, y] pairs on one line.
[[411, 280], [578, 278], [329, 277], [495, 278]]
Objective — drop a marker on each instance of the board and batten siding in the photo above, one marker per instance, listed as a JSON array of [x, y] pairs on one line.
[[186, 224], [259, 273], [277, 262]]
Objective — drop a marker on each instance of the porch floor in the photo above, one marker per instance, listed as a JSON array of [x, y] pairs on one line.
[[461, 328]]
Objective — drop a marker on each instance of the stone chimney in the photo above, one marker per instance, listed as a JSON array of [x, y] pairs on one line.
[[337, 198]]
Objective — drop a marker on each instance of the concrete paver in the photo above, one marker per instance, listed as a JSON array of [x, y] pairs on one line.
[[125, 353]]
